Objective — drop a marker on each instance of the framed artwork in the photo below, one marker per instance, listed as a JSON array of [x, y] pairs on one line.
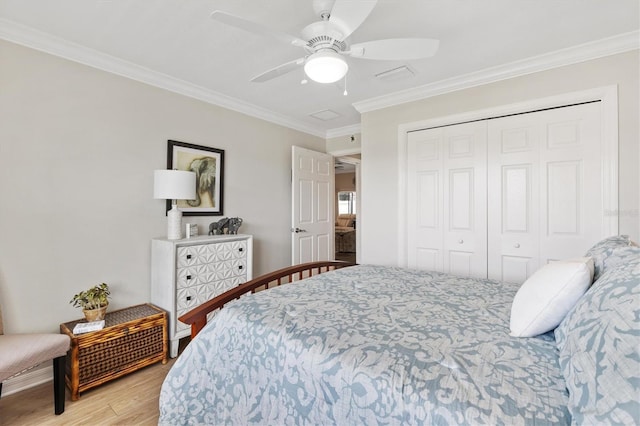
[[208, 165]]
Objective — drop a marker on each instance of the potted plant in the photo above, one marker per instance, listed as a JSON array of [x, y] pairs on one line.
[[93, 302]]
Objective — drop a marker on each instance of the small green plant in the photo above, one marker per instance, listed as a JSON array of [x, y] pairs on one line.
[[94, 298]]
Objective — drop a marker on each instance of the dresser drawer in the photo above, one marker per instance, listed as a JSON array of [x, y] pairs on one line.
[[209, 253]]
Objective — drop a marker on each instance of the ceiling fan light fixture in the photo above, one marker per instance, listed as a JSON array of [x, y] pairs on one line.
[[326, 66]]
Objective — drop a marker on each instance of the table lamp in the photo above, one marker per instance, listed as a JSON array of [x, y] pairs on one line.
[[174, 185]]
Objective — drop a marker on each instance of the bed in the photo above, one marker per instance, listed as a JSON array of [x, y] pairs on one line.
[[372, 344]]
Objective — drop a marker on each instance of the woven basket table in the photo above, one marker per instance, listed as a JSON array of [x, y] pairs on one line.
[[132, 338]]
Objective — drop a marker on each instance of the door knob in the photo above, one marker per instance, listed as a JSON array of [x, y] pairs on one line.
[[298, 230]]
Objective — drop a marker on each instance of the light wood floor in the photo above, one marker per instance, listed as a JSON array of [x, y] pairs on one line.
[[129, 400]]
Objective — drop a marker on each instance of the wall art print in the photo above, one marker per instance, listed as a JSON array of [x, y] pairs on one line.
[[208, 165]]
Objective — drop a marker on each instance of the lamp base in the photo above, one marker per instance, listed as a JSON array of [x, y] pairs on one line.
[[174, 224]]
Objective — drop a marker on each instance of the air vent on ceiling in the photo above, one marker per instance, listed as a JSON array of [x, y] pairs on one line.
[[398, 73], [325, 115]]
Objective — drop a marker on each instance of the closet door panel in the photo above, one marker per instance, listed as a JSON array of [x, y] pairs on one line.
[[461, 194], [544, 185], [571, 182], [563, 197], [513, 239], [424, 186], [516, 197], [518, 228], [446, 182], [465, 204], [429, 235], [460, 239], [512, 180], [516, 269]]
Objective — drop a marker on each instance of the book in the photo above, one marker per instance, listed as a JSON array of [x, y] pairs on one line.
[[86, 327], [192, 230]]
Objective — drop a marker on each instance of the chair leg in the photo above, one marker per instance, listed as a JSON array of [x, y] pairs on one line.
[[58, 383], [0, 389]]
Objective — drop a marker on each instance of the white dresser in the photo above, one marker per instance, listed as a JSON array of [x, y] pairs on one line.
[[186, 273]]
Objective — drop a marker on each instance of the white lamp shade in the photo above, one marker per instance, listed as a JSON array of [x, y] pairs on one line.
[[325, 66], [174, 185]]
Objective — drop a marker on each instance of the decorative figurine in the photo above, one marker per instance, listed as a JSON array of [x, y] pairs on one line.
[[217, 228], [234, 224]]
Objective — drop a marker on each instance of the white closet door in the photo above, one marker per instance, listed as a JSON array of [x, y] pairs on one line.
[[513, 197], [425, 229], [446, 183], [544, 188]]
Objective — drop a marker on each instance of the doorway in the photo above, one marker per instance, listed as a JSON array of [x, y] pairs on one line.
[[347, 170]]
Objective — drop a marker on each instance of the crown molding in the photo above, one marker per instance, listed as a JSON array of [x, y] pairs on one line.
[[38, 40], [572, 55]]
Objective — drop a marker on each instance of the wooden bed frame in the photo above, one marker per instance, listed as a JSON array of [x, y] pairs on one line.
[[197, 317]]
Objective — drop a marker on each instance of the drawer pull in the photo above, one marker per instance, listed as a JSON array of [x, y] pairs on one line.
[[241, 249], [188, 277], [188, 298], [240, 267], [517, 245], [188, 256]]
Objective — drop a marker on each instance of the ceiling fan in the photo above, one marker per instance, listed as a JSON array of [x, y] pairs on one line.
[[326, 41]]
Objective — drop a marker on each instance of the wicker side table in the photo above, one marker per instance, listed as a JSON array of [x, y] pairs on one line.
[[131, 339]]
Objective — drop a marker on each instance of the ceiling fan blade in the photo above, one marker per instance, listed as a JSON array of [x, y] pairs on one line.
[[395, 49], [348, 15], [278, 71], [256, 28]]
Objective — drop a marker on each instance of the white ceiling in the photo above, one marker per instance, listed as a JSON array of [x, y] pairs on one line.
[[174, 44]]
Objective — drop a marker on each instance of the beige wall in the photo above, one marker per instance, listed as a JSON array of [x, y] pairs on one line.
[[78, 147], [345, 182], [342, 145], [380, 140]]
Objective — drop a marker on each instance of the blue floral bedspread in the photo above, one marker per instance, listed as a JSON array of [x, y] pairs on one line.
[[367, 345]]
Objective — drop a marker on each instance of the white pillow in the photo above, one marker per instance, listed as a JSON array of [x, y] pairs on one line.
[[548, 295]]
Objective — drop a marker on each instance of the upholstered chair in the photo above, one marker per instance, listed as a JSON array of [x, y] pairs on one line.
[[20, 352]]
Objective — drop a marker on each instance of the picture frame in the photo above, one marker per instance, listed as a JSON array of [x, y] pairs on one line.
[[208, 164]]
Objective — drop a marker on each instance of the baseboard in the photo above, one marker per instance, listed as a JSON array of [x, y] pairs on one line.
[[34, 377]]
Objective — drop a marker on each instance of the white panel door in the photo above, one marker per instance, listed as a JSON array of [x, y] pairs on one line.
[[446, 182], [425, 236], [465, 204], [571, 182], [513, 197], [544, 188], [312, 189]]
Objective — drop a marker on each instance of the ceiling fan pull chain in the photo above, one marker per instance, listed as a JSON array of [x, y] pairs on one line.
[[345, 86]]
